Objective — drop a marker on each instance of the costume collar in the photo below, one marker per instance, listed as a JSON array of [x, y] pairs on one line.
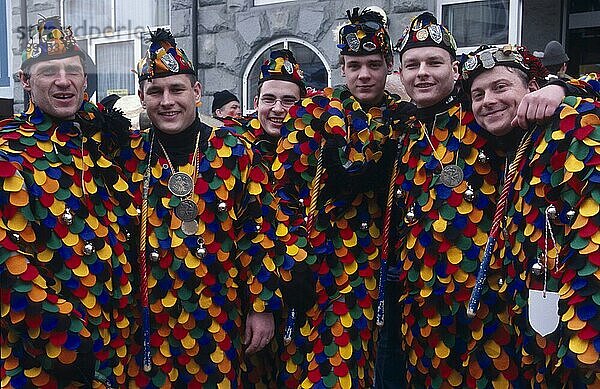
[[427, 114], [181, 145]]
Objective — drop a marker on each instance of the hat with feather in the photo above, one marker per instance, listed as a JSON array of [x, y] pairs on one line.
[[49, 40], [163, 58], [366, 34]]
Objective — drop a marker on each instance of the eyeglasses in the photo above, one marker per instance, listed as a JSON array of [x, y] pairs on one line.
[[285, 101]]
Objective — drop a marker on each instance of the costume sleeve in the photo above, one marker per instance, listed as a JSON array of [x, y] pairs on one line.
[[254, 239], [44, 337], [294, 170], [360, 145], [575, 168], [584, 86]]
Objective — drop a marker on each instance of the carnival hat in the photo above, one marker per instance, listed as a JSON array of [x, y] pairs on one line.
[[282, 65], [49, 40], [486, 57], [163, 58], [366, 34], [425, 31]]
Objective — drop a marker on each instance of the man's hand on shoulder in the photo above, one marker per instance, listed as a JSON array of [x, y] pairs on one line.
[[538, 106]]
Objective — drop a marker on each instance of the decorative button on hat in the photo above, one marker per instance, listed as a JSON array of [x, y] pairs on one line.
[[486, 57]]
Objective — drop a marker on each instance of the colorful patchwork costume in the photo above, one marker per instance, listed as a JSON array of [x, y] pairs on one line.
[[446, 193], [333, 166], [66, 299], [282, 66], [549, 249], [204, 246]]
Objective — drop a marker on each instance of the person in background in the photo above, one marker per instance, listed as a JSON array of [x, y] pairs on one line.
[[66, 282], [556, 60], [226, 104]]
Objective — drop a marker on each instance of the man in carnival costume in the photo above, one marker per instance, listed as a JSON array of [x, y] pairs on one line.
[[66, 298], [205, 290], [547, 253], [331, 163], [444, 198], [280, 86]]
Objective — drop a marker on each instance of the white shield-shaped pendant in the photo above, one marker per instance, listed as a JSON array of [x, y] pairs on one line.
[[170, 62], [543, 311]]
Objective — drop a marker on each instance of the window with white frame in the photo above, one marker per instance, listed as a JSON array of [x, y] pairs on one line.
[[113, 32], [264, 2], [317, 72], [477, 22]]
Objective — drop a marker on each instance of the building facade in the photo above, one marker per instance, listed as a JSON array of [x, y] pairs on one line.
[[229, 39]]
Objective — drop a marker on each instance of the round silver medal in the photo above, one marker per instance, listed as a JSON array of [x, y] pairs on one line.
[[189, 227], [452, 176], [180, 184], [187, 210]]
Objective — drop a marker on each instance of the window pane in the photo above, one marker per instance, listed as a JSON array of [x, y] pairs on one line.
[[136, 14], [315, 74], [88, 17], [584, 5], [4, 51], [263, 2], [254, 73], [115, 61], [479, 22]]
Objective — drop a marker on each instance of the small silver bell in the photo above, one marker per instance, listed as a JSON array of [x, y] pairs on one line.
[[257, 227], [154, 256], [67, 217], [139, 211], [15, 237], [537, 269], [301, 201], [88, 248], [410, 215], [551, 212], [305, 219], [481, 157], [127, 235], [201, 252], [222, 207], [399, 193], [469, 195], [500, 281], [570, 215], [364, 226]]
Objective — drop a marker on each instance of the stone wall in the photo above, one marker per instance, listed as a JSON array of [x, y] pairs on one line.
[[230, 32]]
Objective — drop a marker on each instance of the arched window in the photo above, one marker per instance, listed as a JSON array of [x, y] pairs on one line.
[[317, 72]]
